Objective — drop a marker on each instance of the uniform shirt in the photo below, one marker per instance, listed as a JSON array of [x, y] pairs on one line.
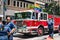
[[3, 33], [50, 23], [11, 25], [4, 30]]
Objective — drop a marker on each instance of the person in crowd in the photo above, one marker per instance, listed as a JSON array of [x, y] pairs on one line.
[[12, 27], [50, 27], [4, 31]]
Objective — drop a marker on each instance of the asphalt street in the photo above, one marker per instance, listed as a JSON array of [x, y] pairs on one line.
[[34, 37]]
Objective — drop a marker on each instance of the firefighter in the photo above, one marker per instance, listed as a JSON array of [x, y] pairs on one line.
[[12, 27], [4, 30], [50, 27]]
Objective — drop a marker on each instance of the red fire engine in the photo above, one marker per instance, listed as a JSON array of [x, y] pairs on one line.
[[34, 23]]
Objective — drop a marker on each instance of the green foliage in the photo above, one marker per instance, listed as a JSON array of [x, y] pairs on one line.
[[52, 7], [57, 10], [31, 6]]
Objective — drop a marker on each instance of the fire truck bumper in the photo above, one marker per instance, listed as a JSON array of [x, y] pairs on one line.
[[26, 31], [23, 31]]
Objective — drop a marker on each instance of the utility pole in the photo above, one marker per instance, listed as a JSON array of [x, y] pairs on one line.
[[4, 8]]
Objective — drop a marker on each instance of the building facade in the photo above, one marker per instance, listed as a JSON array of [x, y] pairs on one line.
[[1, 7], [17, 5], [45, 1]]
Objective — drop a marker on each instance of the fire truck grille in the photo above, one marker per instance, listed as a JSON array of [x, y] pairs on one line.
[[19, 23]]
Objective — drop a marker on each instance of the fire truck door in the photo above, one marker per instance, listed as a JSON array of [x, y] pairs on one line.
[[42, 16]]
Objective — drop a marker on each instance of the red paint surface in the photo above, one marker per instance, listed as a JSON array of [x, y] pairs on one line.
[[36, 23]]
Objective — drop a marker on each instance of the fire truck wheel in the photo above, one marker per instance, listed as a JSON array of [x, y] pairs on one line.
[[40, 31]]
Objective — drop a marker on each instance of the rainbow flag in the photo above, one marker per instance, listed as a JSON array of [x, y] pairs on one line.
[[37, 5], [37, 9]]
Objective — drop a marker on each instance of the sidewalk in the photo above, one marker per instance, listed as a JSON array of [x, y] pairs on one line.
[[56, 37]]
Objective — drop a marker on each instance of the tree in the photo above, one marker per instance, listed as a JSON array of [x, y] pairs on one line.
[[48, 8], [52, 7], [57, 10]]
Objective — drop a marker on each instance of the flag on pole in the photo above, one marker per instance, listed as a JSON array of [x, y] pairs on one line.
[[37, 7]]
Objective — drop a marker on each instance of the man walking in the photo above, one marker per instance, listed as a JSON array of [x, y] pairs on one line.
[[12, 27], [50, 27]]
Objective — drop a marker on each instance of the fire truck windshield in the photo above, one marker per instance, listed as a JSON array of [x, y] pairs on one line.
[[23, 15]]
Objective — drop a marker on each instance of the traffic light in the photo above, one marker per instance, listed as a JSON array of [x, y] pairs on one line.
[[4, 5], [46, 5]]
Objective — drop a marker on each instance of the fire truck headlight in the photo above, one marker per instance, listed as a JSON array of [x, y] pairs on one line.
[[24, 26]]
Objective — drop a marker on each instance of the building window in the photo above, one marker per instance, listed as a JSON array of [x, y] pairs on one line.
[[41, 0], [14, 3], [21, 4], [17, 4], [0, 8], [24, 5], [48, 0], [27, 5], [8, 2], [30, 5]]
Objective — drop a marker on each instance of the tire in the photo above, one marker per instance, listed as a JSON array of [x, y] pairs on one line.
[[40, 31]]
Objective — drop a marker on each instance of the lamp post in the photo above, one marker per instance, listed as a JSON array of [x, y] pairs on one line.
[[4, 8]]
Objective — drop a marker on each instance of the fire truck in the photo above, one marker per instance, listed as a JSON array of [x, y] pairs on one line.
[[30, 22]]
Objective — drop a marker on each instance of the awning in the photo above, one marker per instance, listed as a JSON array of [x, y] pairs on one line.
[[1, 15], [10, 12]]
